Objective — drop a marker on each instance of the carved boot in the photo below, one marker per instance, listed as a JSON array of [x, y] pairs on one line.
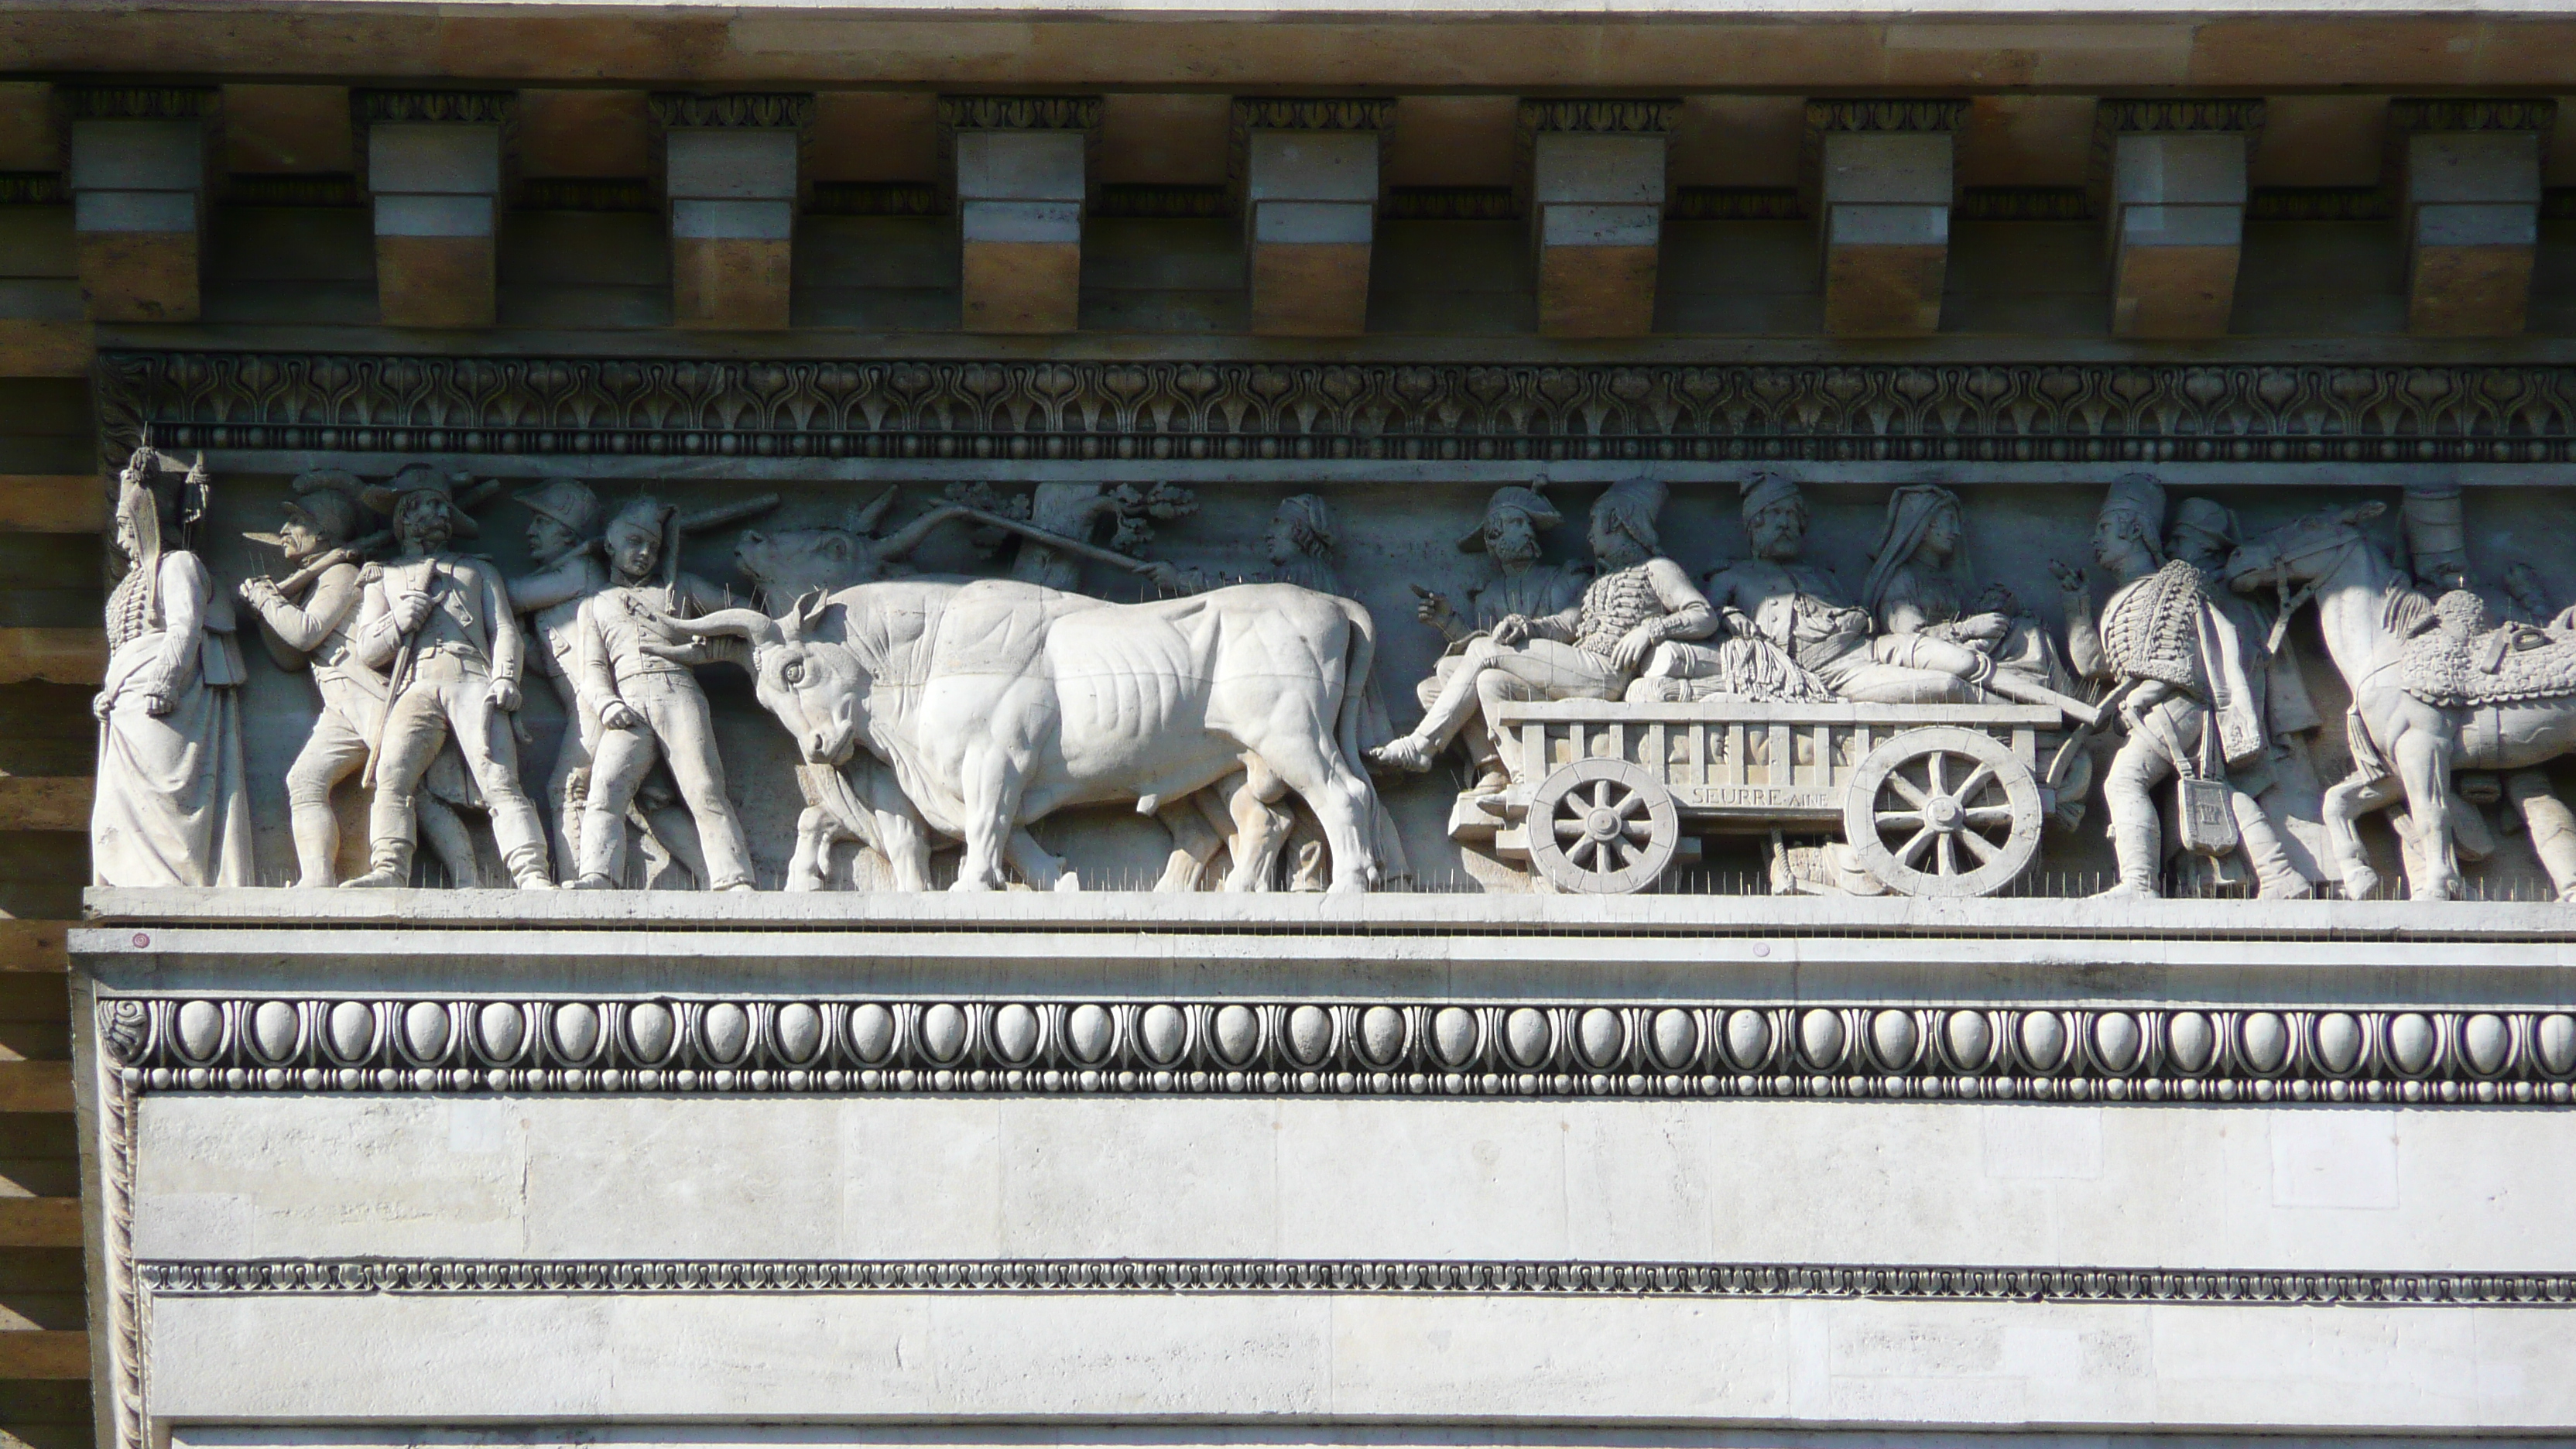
[[2275, 878], [1410, 753], [529, 868], [2139, 844], [389, 867]]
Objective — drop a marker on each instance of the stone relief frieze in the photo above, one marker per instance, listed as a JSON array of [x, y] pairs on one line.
[[2425, 1056], [1079, 684]]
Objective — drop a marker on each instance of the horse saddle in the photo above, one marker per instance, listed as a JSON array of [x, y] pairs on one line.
[[2461, 655]]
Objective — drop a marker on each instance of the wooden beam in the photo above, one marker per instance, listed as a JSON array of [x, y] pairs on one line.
[[40, 1222], [54, 655], [45, 802], [34, 946], [51, 503], [35, 1087], [44, 1353]]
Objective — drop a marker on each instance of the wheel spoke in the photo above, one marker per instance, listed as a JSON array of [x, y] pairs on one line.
[[1915, 846], [1601, 795], [1906, 788], [1615, 855], [1569, 830], [1978, 846], [1989, 815], [1949, 855], [1633, 805], [1580, 851], [1890, 819], [1933, 772], [1978, 779], [1636, 830]]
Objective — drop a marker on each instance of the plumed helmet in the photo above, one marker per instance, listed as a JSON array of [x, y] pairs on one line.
[[566, 501], [646, 515], [2138, 499], [328, 501], [1514, 499], [1633, 504], [2210, 519]]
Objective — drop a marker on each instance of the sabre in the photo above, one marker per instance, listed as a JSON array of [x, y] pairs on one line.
[[395, 681]]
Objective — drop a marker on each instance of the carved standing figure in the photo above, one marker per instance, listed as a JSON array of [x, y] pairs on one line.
[[173, 802], [306, 620], [563, 543], [649, 706], [440, 625], [1590, 651], [2188, 677]]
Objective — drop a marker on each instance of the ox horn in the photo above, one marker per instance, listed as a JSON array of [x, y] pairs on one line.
[[864, 518], [2364, 512], [762, 630]]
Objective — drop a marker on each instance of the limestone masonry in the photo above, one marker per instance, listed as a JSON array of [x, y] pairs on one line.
[[1697, 727]]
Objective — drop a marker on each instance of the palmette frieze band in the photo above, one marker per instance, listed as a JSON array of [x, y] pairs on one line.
[[2034, 412], [1941, 1283], [1962, 1053]]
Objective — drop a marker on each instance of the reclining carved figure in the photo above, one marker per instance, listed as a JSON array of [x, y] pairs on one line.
[[997, 703]]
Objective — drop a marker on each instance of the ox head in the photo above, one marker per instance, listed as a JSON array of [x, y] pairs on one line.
[[815, 687], [2303, 550]]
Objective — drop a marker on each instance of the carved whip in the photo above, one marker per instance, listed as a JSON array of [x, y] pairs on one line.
[[1052, 540]]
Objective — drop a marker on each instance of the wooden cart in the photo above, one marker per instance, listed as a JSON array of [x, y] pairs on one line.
[[1933, 799]]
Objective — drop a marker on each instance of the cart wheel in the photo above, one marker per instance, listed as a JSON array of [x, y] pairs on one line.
[[1602, 827], [1943, 811]]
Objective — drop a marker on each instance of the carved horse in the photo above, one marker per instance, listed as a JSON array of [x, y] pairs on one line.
[[2369, 608]]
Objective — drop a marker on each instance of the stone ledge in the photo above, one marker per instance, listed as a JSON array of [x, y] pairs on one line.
[[1426, 913]]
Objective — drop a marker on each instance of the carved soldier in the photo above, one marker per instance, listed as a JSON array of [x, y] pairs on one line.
[[1509, 535], [649, 705], [2192, 704], [1299, 547], [306, 622], [1590, 651], [563, 543], [173, 802], [440, 624]]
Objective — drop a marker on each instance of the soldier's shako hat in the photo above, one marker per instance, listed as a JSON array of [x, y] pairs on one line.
[[1765, 487], [1542, 514], [327, 499], [2141, 499], [565, 501], [387, 497], [2437, 532], [2207, 518]]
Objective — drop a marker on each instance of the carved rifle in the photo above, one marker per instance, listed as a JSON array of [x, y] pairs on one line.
[[404, 659], [355, 551]]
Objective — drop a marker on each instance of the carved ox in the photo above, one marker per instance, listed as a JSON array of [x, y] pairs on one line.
[[997, 703]]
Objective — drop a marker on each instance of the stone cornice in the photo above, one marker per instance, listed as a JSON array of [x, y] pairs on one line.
[[1600, 116], [476, 108], [739, 110], [2063, 412], [762, 1046], [1019, 113], [2444, 113], [2190, 113], [1313, 113], [1886, 113], [141, 103], [2287, 1287]]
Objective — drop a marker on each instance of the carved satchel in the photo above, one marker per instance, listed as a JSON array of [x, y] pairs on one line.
[[2204, 816]]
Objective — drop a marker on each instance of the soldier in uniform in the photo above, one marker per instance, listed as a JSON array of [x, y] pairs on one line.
[[1590, 651], [563, 543], [440, 624], [2193, 706], [649, 706], [306, 625], [1509, 535]]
